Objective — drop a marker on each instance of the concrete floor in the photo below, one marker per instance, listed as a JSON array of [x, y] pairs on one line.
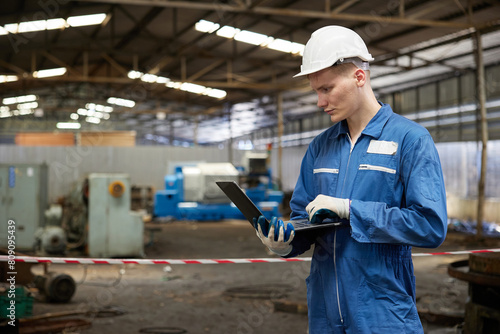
[[195, 298]]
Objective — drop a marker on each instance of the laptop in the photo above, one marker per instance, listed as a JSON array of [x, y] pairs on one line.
[[250, 210]]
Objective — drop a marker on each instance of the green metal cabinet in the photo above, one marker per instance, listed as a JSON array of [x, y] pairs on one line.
[[23, 199]]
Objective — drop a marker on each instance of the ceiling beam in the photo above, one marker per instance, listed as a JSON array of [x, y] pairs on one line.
[[139, 27], [206, 69], [115, 64], [344, 6], [12, 67], [59, 62], [218, 7]]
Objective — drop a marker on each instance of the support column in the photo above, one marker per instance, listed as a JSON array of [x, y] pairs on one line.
[[280, 135], [481, 94], [227, 111], [195, 131]]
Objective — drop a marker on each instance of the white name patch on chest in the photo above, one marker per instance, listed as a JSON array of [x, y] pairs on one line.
[[382, 147]]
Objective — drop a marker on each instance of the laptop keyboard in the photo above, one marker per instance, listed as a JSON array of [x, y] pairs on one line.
[[300, 224]]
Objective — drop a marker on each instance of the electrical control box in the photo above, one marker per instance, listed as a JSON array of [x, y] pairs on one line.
[[113, 230], [23, 200]]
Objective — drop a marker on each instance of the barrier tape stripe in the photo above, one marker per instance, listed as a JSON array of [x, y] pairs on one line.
[[59, 260]]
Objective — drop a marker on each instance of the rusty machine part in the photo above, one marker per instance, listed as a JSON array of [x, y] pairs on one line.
[[57, 288], [482, 311]]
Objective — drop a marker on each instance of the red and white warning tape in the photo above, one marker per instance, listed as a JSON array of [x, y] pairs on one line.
[[32, 259]]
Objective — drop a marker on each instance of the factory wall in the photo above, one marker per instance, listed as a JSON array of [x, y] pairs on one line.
[[146, 165], [461, 167], [292, 158]]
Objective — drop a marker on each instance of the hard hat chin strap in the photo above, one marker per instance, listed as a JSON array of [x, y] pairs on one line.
[[364, 65]]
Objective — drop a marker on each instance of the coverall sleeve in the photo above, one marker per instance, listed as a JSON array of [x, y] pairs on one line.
[[301, 197], [422, 218]]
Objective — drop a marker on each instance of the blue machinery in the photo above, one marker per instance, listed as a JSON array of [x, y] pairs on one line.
[[191, 193]]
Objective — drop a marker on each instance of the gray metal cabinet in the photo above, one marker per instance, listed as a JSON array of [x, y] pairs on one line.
[[23, 199]]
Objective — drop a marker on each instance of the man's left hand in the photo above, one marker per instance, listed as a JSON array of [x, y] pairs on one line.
[[277, 237]]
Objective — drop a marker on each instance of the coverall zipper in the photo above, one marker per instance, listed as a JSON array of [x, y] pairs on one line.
[[335, 236], [336, 277]]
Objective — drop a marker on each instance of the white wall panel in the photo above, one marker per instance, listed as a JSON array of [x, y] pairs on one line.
[[68, 166]]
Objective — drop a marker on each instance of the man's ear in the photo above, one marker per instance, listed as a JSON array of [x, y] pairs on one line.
[[360, 76]]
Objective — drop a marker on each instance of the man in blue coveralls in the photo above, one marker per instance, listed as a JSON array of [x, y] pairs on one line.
[[377, 171]]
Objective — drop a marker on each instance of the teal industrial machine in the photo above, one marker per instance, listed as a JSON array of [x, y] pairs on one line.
[[191, 192]]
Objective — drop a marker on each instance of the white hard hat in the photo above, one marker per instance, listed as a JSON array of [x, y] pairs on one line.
[[330, 45]]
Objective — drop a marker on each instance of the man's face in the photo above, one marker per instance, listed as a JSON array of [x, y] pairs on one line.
[[336, 89]]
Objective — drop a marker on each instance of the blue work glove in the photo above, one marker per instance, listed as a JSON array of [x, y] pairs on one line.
[[275, 236], [323, 207]]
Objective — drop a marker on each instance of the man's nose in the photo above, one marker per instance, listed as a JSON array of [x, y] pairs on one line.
[[322, 102]]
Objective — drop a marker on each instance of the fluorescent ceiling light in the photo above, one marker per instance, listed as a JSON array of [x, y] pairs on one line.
[[175, 85], [19, 99], [286, 46], [149, 78], [51, 24], [8, 78], [121, 102], [32, 26], [206, 26], [216, 93], [74, 116], [15, 112], [227, 31], [86, 20], [253, 38], [193, 88], [56, 24], [162, 80], [185, 86], [12, 28], [93, 120], [98, 107], [52, 72], [94, 113], [68, 125], [146, 77], [134, 74], [27, 105], [4, 114]]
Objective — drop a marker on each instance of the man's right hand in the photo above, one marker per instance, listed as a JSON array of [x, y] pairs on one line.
[[328, 207]]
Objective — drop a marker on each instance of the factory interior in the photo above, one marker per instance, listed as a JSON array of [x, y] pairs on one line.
[[118, 117]]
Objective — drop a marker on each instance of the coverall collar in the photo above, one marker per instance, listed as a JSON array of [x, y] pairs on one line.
[[374, 127]]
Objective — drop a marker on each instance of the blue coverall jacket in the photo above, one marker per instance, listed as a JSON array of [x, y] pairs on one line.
[[361, 278]]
